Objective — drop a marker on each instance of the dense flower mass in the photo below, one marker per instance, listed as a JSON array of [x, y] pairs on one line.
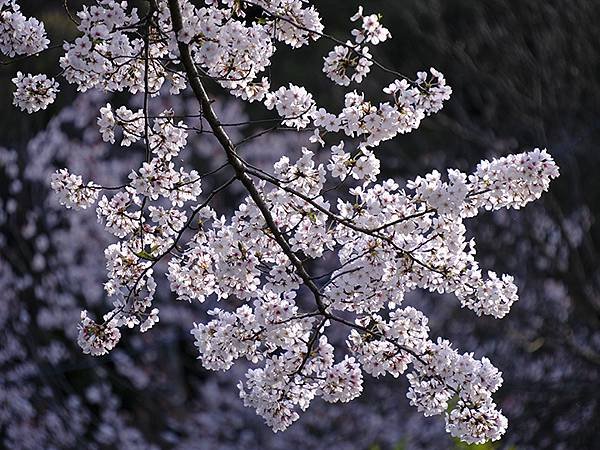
[[20, 35], [34, 92], [385, 238], [71, 191]]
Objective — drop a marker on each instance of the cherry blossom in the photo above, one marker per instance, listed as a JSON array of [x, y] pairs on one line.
[[385, 238], [71, 191], [20, 35], [34, 92]]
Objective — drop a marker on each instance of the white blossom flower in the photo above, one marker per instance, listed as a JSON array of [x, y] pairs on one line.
[[97, 339], [294, 104], [71, 191], [34, 92]]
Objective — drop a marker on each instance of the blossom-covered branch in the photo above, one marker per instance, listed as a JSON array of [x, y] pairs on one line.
[[385, 237]]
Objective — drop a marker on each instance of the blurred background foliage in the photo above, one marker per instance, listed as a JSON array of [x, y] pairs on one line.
[[524, 74]]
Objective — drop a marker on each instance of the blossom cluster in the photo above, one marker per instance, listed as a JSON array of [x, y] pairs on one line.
[[71, 191], [443, 374], [20, 35], [94, 339], [294, 104], [355, 57], [388, 242], [377, 123], [63, 273], [111, 54], [384, 240], [34, 92], [235, 52], [131, 123]]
